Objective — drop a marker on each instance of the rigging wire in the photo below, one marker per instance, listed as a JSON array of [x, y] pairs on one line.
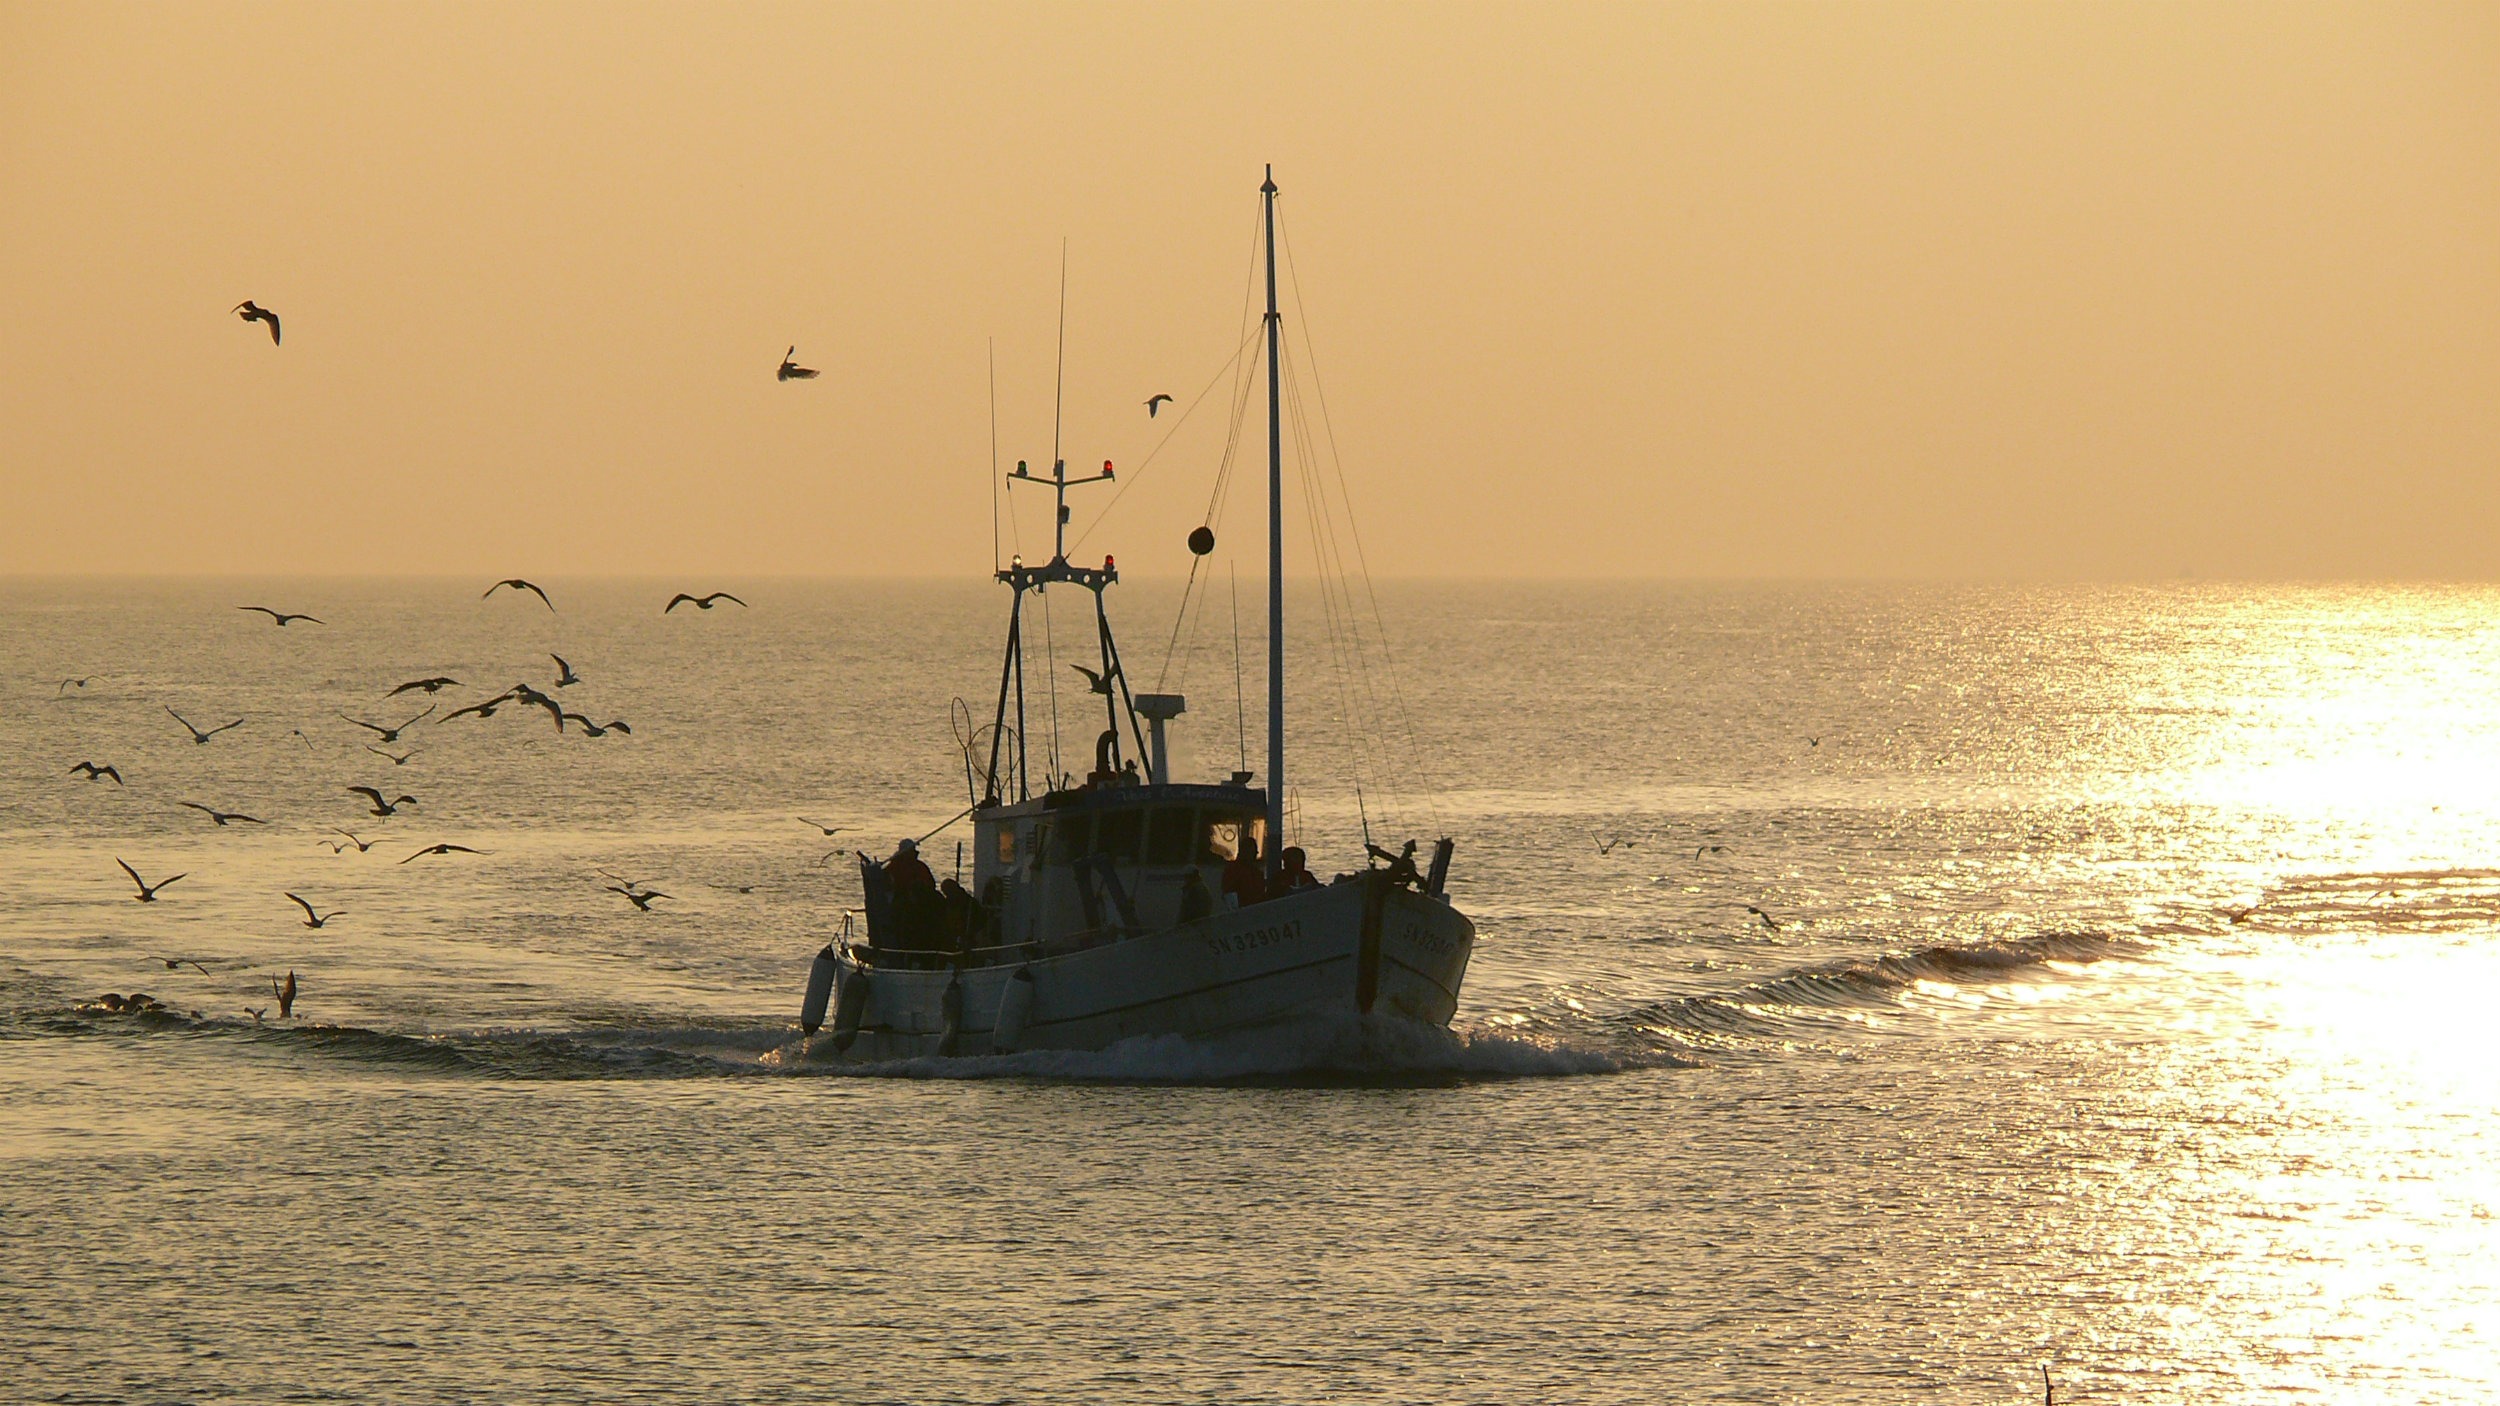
[[1397, 690], [993, 454], [1241, 710]]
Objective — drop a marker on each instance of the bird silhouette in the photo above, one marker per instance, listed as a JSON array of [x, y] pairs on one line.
[[2240, 915], [281, 616], [518, 584], [313, 919], [285, 995], [483, 710], [1699, 850], [147, 891], [441, 849], [1099, 683], [1610, 846], [431, 686], [1767, 920], [591, 729], [391, 734], [381, 807], [641, 901], [250, 311], [177, 963], [222, 816], [1155, 403], [98, 773], [361, 845], [68, 684], [791, 370], [199, 738], [259, 1014], [699, 602], [397, 758], [830, 830], [298, 734], [569, 677]]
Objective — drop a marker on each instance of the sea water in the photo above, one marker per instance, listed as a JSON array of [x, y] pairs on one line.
[[1882, 993]]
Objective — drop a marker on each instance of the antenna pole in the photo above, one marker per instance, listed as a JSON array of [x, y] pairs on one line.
[[1275, 551]]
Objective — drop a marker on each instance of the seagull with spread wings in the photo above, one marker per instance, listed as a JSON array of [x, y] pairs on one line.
[[98, 773], [699, 602], [391, 734], [441, 849], [223, 816], [282, 617], [250, 311], [313, 919], [517, 584], [791, 370], [199, 738], [147, 891], [381, 807]]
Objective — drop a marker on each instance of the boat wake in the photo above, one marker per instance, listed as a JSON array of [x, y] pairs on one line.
[[1355, 1051]]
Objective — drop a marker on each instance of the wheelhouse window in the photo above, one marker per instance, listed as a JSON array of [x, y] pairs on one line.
[[1167, 835], [1224, 834], [1071, 838], [1117, 833], [1006, 844]]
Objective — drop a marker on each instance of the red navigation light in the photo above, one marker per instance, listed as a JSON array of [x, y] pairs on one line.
[[1106, 468], [1107, 563]]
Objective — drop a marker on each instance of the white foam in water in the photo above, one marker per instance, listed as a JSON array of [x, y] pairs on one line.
[[1354, 1048]]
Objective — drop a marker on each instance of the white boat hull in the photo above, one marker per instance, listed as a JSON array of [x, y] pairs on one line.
[[1315, 953]]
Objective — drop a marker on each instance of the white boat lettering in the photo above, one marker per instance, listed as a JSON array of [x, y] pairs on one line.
[[1255, 939]]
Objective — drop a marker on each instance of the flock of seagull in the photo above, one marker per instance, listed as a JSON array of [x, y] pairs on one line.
[[380, 805]]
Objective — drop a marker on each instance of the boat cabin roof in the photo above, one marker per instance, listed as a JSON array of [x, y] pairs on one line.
[[1089, 798]]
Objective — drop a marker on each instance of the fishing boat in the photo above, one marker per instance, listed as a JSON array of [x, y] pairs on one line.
[[1131, 904]]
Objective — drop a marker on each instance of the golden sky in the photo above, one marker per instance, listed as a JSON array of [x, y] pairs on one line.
[[1868, 290]]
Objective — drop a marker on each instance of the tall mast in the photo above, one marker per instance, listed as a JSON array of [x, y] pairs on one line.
[[1275, 552]]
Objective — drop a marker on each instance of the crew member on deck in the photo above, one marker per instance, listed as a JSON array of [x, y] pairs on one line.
[[1245, 882], [905, 871], [1294, 872], [918, 914]]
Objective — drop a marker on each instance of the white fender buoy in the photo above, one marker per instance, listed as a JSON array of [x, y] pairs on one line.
[[951, 1010], [1015, 1009], [819, 990], [848, 1007]]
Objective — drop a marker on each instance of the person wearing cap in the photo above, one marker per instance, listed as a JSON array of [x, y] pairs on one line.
[[905, 871]]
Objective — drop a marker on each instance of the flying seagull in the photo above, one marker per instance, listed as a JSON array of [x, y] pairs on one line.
[[177, 963], [699, 602], [589, 728], [361, 845], [222, 816], [391, 734], [147, 891], [1099, 683], [483, 710], [397, 758], [518, 584], [830, 830], [641, 901], [98, 773], [431, 686], [381, 807], [1767, 920], [281, 616], [2240, 915], [1700, 850], [1618, 842], [313, 919], [198, 737], [442, 849], [285, 995], [791, 370], [250, 311], [1155, 403], [570, 678], [68, 684]]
